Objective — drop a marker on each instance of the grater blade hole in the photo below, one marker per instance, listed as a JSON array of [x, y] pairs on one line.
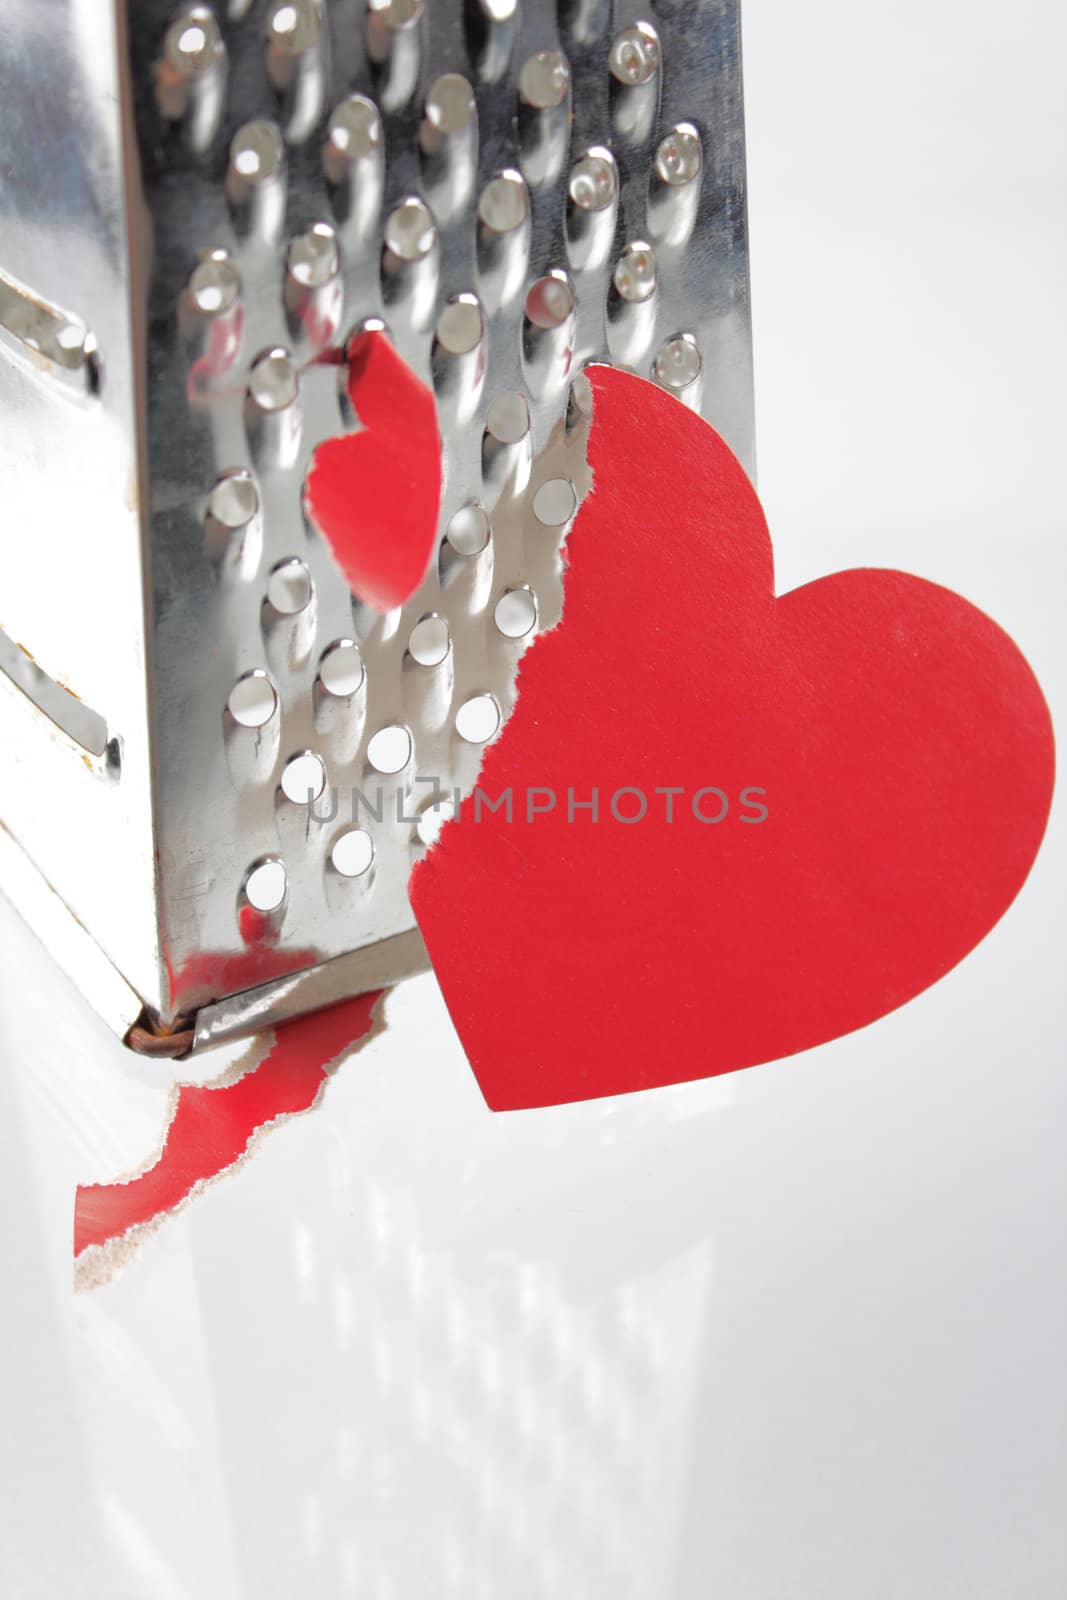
[[634, 55], [313, 257], [544, 80], [257, 153], [432, 819], [429, 642], [390, 749], [635, 273], [410, 232], [303, 778], [355, 128], [193, 42], [461, 325], [504, 204], [353, 853], [266, 885], [594, 180], [274, 382], [550, 301], [450, 104], [341, 669], [678, 364], [234, 500], [289, 587], [215, 284], [478, 719], [508, 418], [516, 613], [253, 700], [679, 156], [555, 502], [580, 398], [468, 530], [294, 26]]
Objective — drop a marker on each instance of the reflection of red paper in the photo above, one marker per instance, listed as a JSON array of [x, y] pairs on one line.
[[223, 347], [212, 1127], [320, 322], [374, 495], [902, 741], [212, 974]]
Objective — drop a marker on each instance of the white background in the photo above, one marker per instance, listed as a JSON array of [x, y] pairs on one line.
[[793, 1335]]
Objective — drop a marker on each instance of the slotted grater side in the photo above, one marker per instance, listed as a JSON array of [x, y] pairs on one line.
[[303, 171], [76, 839]]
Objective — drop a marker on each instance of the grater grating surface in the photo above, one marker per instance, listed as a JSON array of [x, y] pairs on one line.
[[511, 195]]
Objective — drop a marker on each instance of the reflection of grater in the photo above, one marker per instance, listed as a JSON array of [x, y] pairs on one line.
[[197, 207]]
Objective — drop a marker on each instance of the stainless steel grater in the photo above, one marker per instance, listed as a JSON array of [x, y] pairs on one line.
[[198, 207]]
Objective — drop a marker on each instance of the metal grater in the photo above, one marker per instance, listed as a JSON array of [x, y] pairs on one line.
[[198, 207]]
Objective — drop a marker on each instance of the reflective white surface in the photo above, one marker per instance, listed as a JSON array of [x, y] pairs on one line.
[[796, 1334]]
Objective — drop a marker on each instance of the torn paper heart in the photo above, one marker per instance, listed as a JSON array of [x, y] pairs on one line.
[[211, 1128], [375, 494], [844, 788]]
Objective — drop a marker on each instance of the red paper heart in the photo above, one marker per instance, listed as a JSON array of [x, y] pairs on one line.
[[902, 741], [374, 495]]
